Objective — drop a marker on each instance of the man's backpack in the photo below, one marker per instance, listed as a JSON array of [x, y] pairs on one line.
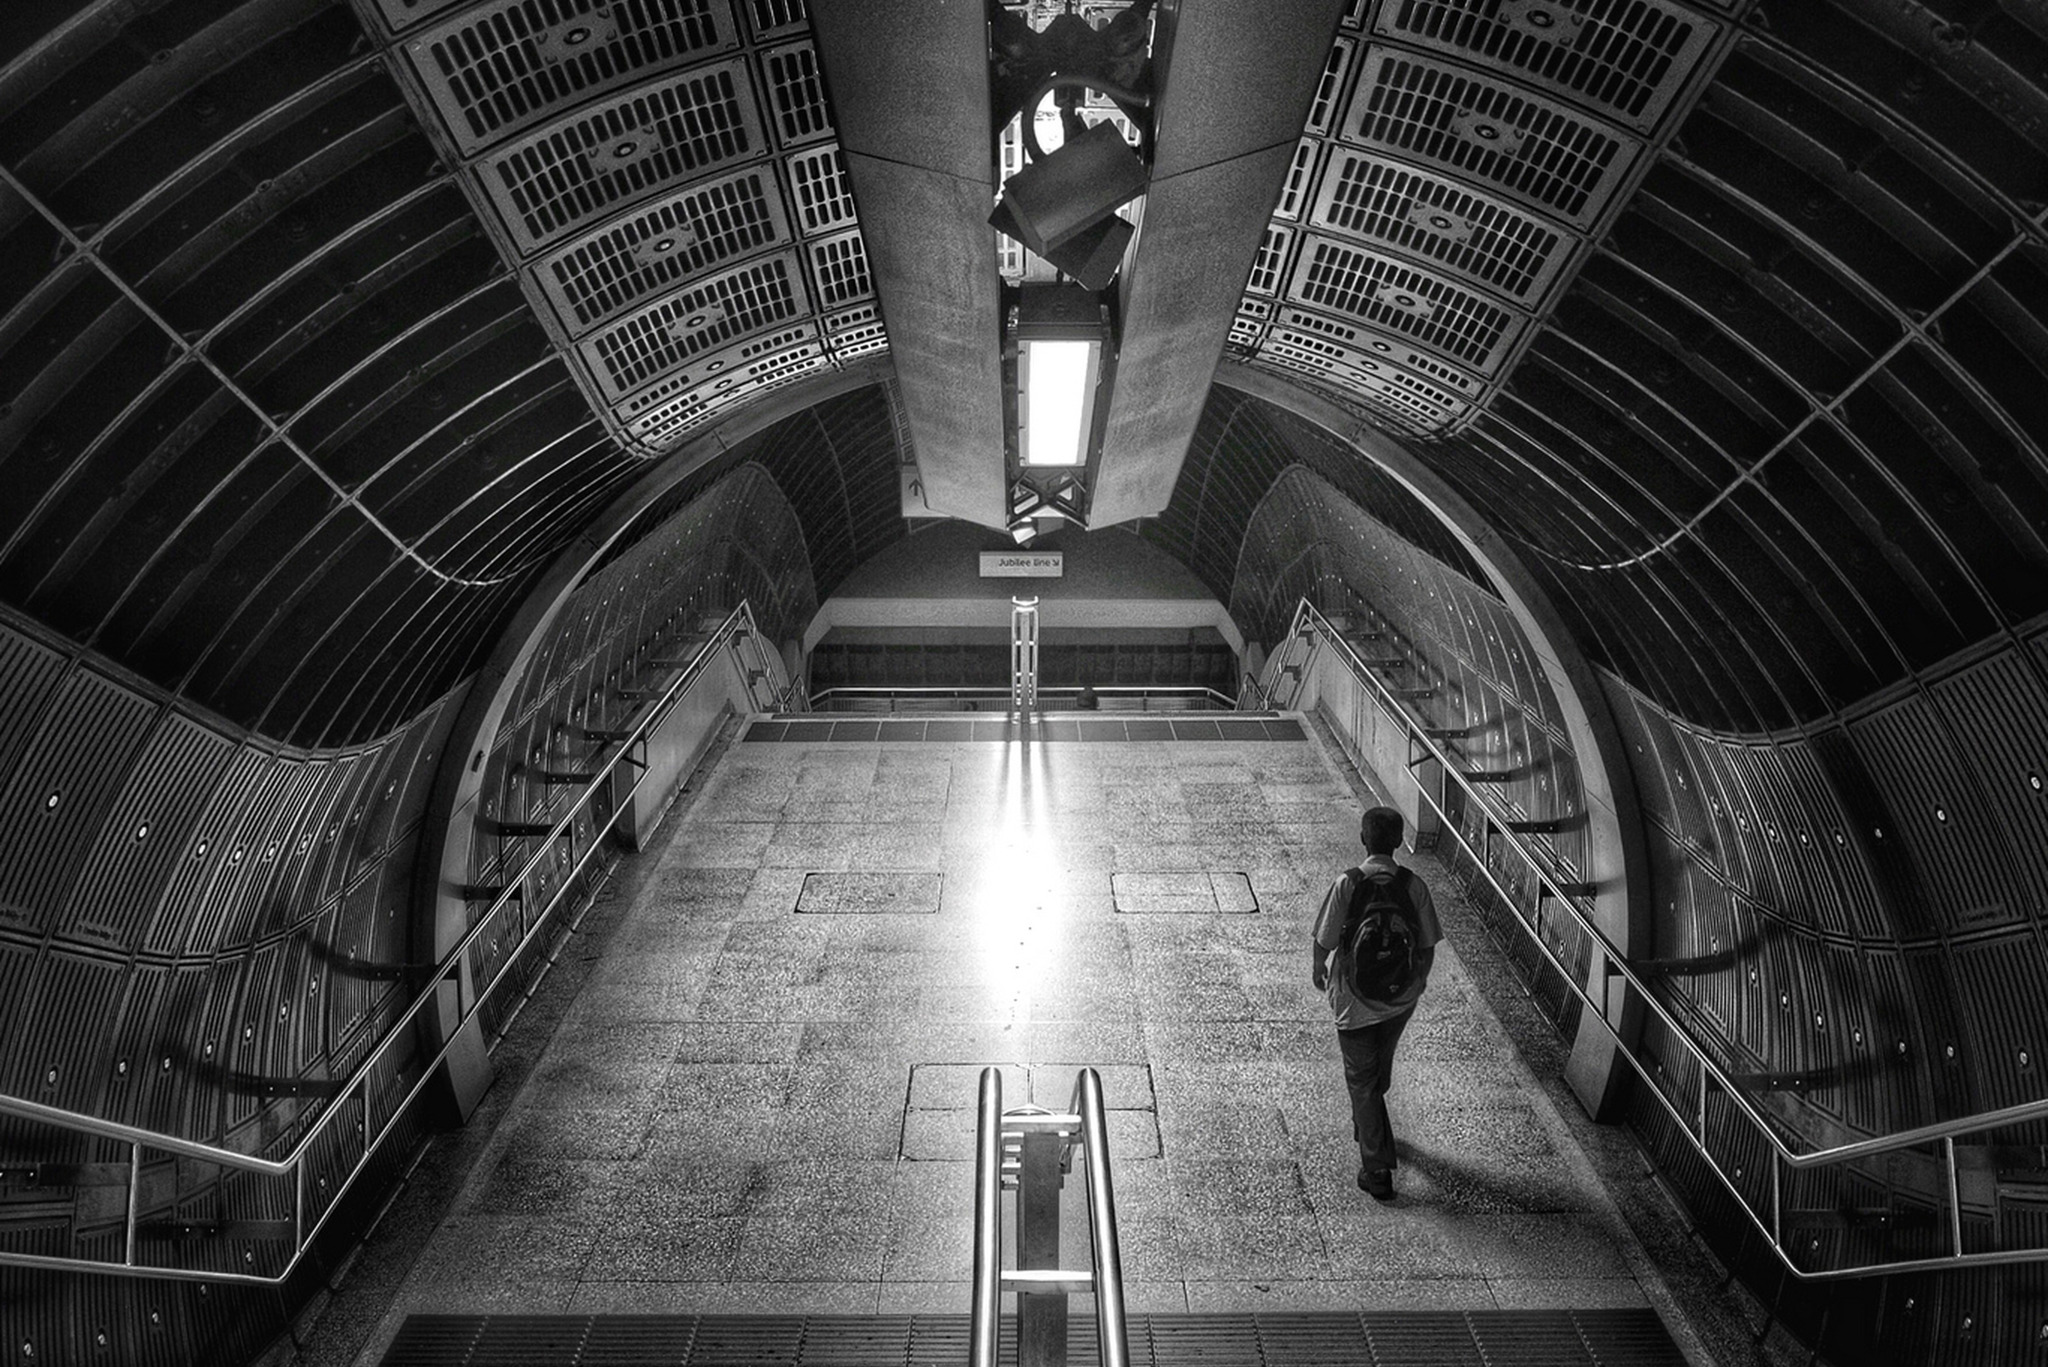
[[1379, 937]]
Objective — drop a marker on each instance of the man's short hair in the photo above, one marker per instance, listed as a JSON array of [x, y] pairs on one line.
[[1380, 830]]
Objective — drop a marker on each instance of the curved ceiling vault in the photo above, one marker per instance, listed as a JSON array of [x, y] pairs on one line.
[[324, 325]]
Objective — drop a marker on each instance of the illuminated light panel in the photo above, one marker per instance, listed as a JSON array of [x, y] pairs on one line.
[[1058, 383]]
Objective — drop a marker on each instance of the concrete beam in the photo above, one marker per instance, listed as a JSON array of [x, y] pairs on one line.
[[909, 85], [1235, 84]]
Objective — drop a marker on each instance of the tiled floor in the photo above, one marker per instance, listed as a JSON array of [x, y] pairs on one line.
[[763, 1097]]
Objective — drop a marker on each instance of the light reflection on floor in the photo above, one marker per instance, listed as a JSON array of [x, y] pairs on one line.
[[751, 1109], [1019, 911]]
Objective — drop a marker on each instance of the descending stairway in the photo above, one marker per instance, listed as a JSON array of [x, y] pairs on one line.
[[1457, 1338]]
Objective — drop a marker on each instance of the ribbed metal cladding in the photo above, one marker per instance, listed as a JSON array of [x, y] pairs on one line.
[[91, 714], [662, 177], [1557, 1338]]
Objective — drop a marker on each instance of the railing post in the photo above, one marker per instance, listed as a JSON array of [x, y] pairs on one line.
[[1112, 1335], [1777, 1200], [1955, 1199], [134, 1197], [988, 1214]]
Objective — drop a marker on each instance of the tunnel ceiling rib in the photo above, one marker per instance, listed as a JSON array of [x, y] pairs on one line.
[[1218, 167], [282, 429]]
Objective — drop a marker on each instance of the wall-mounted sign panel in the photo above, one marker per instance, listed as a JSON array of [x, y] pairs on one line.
[[1021, 564]]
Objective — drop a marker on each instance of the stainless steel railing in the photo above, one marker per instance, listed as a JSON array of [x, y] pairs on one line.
[[1496, 836], [1112, 697], [1086, 1123], [354, 1094]]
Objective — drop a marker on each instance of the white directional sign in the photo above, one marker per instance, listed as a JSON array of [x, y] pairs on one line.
[[1021, 564]]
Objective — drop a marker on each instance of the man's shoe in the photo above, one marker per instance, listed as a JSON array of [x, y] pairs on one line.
[[1377, 1183]]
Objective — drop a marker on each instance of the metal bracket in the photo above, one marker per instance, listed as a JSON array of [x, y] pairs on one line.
[[1545, 826], [627, 149], [559, 41], [1404, 301], [682, 329], [1488, 775], [1544, 18], [1447, 225], [664, 245], [1487, 131]]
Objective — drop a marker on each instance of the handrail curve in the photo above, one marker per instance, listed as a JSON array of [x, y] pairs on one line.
[[1310, 624], [738, 623]]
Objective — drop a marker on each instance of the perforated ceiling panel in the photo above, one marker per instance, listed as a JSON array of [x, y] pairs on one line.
[[1461, 157], [663, 177]]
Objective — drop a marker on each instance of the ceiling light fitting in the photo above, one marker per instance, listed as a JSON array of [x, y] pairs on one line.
[[1062, 205]]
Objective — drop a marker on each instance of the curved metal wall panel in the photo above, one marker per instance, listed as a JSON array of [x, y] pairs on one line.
[[279, 433], [629, 627], [200, 932], [1446, 642]]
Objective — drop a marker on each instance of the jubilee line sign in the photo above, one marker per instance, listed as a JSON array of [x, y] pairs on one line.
[[1021, 564]]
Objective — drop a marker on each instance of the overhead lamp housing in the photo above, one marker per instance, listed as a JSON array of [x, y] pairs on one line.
[[1062, 355], [1063, 204]]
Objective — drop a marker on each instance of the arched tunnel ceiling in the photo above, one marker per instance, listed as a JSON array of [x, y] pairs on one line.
[[290, 419]]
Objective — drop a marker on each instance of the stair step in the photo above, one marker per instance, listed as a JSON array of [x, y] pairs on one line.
[[1390, 1338]]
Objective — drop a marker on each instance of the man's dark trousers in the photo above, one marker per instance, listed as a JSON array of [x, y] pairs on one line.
[[1368, 1072]]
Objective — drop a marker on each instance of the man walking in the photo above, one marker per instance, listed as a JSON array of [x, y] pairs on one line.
[[1375, 939]]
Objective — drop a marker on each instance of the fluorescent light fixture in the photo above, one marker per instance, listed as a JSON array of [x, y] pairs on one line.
[[1056, 390]]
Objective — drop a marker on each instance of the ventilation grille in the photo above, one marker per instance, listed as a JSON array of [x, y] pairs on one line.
[[796, 94], [665, 423], [1354, 391], [638, 257], [1300, 173], [1627, 59], [603, 158], [703, 317], [1269, 267], [1479, 238], [1249, 325], [1394, 297], [1536, 150], [1365, 341], [1322, 110], [817, 184], [777, 18], [864, 342], [505, 66], [860, 316], [857, 331], [839, 269], [1352, 364], [715, 365]]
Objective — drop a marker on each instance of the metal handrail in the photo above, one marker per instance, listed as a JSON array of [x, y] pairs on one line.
[[994, 691], [1106, 1278], [739, 622], [1495, 831]]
